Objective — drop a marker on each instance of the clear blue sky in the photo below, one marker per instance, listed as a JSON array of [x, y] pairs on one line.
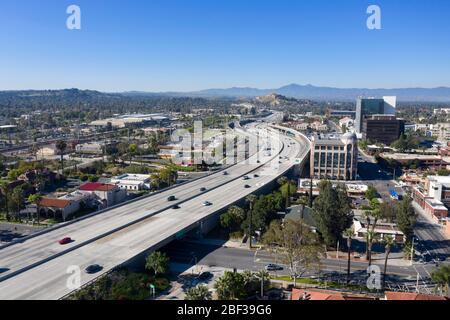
[[183, 45]]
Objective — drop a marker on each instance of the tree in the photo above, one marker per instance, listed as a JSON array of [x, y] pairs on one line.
[[251, 201], [441, 278], [349, 235], [17, 201], [199, 293], [6, 193], [406, 217], [372, 218], [157, 262], [295, 243], [371, 193], [332, 212], [388, 243], [36, 199], [61, 146], [233, 218], [132, 148], [231, 286]]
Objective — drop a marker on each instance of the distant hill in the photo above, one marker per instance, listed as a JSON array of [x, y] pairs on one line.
[[441, 94], [310, 92]]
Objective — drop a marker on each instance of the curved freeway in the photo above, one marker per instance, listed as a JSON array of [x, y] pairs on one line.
[[37, 267]]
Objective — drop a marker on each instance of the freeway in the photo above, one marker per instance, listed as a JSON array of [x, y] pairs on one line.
[[48, 279], [22, 254]]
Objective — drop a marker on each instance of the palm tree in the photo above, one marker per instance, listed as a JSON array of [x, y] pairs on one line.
[[199, 293], [36, 199], [5, 192], [370, 236], [251, 200], [389, 242], [349, 235], [61, 145]]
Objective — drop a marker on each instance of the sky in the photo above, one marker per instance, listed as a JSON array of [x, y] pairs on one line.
[[187, 45]]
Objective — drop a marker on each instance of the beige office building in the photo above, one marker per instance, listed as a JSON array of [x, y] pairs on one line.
[[334, 157]]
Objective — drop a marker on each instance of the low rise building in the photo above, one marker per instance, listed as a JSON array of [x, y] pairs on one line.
[[382, 230], [433, 196], [94, 148], [132, 182], [433, 162], [58, 208], [108, 194]]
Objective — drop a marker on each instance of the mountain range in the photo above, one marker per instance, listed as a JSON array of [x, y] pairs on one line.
[[440, 94]]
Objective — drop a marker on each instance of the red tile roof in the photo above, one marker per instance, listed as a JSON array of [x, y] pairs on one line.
[[317, 294], [411, 296], [97, 186], [54, 203]]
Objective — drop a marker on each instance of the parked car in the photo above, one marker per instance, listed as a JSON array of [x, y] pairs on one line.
[[171, 198], [176, 207], [205, 276], [245, 178], [273, 267], [93, 268], [64, 241], [203, 189], [247, 186], [225, 173], [207, 203]]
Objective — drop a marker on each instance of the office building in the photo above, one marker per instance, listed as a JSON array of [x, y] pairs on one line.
[[366, 107], [334, 157], [382, 129]]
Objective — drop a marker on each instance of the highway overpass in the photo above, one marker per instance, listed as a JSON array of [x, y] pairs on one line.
[[36, 268]]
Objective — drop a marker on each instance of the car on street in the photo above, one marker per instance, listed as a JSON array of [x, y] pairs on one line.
[[93, 268], [247, 186], [171, 198], [255, 176], [225, 173], [273, 267], [203, 189], [65, 240], [245, 178], [207, 203]]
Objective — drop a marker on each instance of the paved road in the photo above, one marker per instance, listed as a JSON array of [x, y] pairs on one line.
[[48, 280], [242, 259]]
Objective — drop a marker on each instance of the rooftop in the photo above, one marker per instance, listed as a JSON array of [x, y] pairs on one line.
[[54, 203], [97, 186], [411, 296]]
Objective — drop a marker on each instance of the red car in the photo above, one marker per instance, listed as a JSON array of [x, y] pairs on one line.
[[65, 241]]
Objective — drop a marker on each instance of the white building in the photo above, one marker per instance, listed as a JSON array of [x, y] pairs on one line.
[[132, 182]]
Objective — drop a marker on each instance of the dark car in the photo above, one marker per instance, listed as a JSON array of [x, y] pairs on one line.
[[258, 161], [205, 276], [93, 268], [207, 204], [273, 267], [64, 241], [225, 173], [3, 270], [176, 207], [203, 189], [256, 175], [171, 198], [247, 186], [246, 178]]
